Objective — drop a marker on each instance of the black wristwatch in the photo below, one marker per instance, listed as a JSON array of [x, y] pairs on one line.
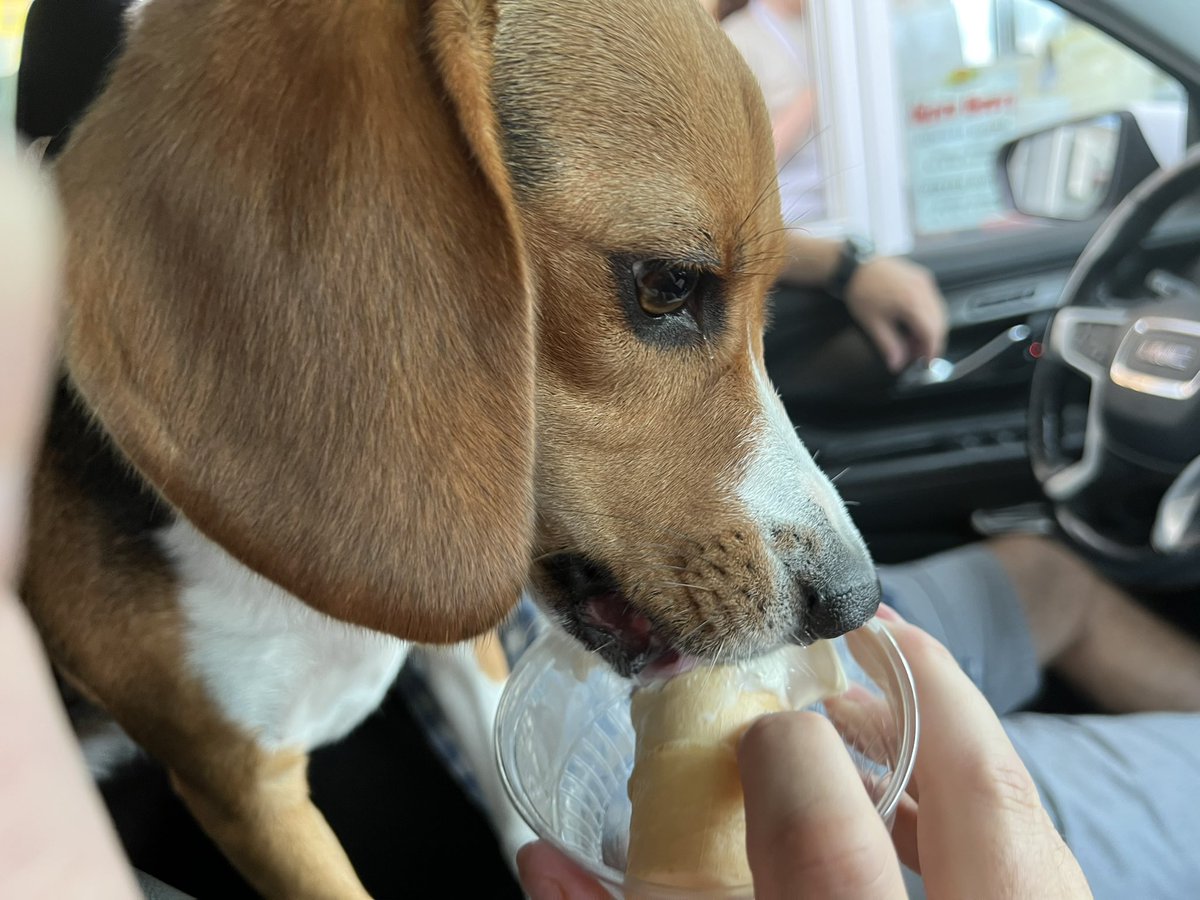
[[855, 252]]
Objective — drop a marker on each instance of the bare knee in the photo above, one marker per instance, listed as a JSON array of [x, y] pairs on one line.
[[1056, 588]]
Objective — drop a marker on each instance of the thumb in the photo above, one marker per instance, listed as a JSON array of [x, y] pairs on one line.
[[546, 874], [927, 327]]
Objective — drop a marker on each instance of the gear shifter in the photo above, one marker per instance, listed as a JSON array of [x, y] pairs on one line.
[[942, 371]]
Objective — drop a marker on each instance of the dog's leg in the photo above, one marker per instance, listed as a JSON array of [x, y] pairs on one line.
[[263, 820], [467, 680]]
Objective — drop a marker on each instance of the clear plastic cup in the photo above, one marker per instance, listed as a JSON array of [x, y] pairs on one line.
[[565, 744]]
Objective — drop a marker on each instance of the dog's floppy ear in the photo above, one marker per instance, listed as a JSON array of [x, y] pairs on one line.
[[298, 301]]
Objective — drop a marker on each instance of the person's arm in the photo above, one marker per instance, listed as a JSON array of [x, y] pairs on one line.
[[55, 839], [895, 301], [793, 127]]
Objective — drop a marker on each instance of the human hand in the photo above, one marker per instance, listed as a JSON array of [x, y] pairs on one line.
[[899, 306], [972, 822], [54, 838]]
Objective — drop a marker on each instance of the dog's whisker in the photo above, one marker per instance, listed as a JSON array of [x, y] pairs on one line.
[[754, 273], [695, 587], [762, 197], [768, 253], [835, 478], [774, 180]]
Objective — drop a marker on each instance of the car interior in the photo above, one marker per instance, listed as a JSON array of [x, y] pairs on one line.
[[1012, 430]]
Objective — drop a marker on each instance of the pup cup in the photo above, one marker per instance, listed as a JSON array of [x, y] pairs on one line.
[[567, 746]]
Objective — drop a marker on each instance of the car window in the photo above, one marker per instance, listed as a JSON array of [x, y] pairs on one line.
[[974, 74], [888, 115]]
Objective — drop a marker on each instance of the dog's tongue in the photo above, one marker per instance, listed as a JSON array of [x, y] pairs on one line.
[[635, 634], [610, 612]]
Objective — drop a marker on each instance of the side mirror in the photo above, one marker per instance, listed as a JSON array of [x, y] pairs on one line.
[[1075, 170]]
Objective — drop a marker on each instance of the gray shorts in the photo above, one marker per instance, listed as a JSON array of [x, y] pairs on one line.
[[1124, 791]]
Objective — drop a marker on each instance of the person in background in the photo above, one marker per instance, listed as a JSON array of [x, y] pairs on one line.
[[896, 302], [773, 38]]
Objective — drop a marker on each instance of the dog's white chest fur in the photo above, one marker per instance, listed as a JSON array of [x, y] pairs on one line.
[[292, 676]]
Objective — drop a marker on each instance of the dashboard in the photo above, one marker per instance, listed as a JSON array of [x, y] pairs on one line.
[[912, 454]]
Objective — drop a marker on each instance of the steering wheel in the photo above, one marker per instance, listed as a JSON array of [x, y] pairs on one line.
[[1131, 498]]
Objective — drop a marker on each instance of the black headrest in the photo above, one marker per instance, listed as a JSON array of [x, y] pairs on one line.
[[68, 47]]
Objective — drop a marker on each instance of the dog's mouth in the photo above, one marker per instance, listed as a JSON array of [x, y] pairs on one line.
[[592, 608]]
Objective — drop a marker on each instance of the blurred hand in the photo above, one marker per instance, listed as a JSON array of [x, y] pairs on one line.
[[972, 822], [55, 840], [899, 306]]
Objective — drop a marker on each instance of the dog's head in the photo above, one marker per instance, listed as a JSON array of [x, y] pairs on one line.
[[678, 513], [390, 298]]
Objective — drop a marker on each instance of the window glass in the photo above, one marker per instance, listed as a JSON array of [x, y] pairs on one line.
[[972, 75]]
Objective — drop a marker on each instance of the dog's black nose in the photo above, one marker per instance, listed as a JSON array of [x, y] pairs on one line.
[[838, 590], [832, 611]]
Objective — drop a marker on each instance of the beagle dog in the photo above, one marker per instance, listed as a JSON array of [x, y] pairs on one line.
[[379, 311]]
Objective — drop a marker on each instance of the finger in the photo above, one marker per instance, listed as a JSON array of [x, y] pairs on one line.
[[888, 340], [940, 316], [865, 722], [874, 719], [904, 833], [922, 325], [979, 807], [55, 838], [28, 284], [811, 829], [922, 307], [546, 874], [925, 319]]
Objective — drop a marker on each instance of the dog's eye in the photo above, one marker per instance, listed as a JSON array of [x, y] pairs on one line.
[[663, 288]]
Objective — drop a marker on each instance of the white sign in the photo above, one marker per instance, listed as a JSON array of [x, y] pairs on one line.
[[954, 132]]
